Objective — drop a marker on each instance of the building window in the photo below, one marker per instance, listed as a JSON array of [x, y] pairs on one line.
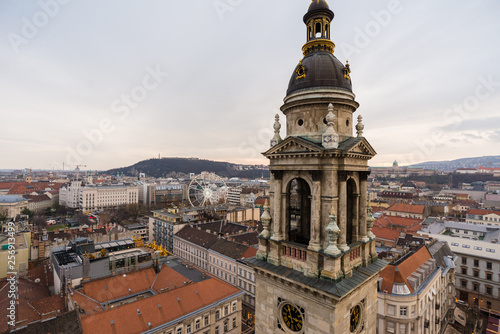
[[217, 330], [488, 276], [226, 310], [188, 329], [206, 320], [403, 311], [197, 324], [476, 273], [179, 330], [225, 326], [489, 290], [464, 271], [476, 287], [234, 306], [476, 263], [464, 284], [234, 322], [488, 265], [488, 305], [217, 315], [464, 260]]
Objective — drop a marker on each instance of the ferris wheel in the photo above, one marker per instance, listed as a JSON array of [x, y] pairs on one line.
[[207, 189]]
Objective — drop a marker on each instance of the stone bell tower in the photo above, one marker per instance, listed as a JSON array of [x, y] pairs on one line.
[[316, 267]]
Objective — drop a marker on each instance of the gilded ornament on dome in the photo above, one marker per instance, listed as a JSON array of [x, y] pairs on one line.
[[301, 71]]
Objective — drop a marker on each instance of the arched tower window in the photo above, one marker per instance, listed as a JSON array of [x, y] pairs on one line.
[[299, 212], [318, 29], [352, 197]]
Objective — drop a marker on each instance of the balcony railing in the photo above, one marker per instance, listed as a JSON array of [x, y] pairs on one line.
[[295, 253], [355, 253]]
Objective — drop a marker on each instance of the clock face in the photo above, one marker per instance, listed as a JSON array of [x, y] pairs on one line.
[[292, 317], [355, 318]]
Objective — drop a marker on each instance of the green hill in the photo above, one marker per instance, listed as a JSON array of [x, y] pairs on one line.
[[167, 166]]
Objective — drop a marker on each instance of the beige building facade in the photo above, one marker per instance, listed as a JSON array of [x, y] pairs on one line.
[[15, 252], [12, 205], [417, 293]]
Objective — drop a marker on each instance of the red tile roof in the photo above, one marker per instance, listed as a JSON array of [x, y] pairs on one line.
[[390, 227], [24, 188], [37, 198], [481, 212], [118, 286], [400, 272], [407, 208], [173, 305], [34, 301], [407, 224], [386, 234]]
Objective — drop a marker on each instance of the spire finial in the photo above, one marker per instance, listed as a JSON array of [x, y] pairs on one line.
[[277, 127], [360, 126], [330, 138]]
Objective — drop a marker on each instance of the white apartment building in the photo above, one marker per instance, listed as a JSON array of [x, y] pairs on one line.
[[192, 244], [92, 197], [246, 282], [478, 272], [69, 194], [234, 196], [416, 295], [483, 217]]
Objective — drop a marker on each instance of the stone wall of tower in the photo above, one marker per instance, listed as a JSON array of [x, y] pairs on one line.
[[313, 110], [322, 315]]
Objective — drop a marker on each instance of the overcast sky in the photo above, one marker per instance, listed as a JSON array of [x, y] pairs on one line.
[[107, 83]]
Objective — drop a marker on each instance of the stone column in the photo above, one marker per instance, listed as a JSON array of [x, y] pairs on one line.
[[363, 199], [314, 243], [355, 220], [342, 178], [278, 204]]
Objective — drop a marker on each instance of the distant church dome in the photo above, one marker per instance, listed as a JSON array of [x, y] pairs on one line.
[[319, 68]]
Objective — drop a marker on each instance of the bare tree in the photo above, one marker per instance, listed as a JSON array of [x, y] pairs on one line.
[[4, 215], [39, 222]]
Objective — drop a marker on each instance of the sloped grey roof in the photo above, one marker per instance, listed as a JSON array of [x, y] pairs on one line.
[[338, 289]]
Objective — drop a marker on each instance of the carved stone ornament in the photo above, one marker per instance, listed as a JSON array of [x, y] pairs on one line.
[[332, 231], [277, 126], [369, 223], [360, 126], [266, 221], [330, 138]]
